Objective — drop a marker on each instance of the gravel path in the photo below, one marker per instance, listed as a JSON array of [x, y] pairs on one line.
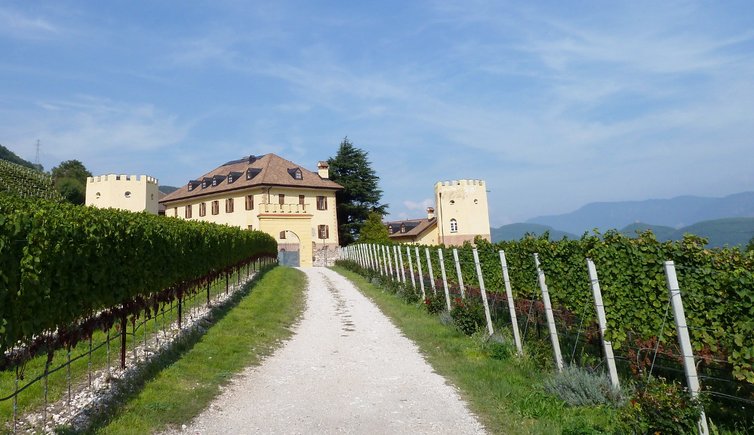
[[347, 369]]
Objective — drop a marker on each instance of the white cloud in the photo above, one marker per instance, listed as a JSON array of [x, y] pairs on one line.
[[420, 205], [21, 26]]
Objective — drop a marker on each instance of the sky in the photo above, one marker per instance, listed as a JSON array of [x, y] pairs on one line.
[[553, 104]]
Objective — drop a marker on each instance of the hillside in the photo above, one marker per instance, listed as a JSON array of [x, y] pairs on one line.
[[660, 231], [675, 212], [168, 189], [518, 231], [23, 181], [719, 232], [10, 156]]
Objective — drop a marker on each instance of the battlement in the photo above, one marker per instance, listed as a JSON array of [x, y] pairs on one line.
[[123, 178], [479, 183]]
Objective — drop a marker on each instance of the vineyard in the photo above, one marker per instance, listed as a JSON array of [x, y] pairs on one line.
[[68, 272], [26, 182], [717, 286]]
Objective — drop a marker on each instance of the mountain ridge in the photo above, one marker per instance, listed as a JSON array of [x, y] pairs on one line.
[[677, 212]]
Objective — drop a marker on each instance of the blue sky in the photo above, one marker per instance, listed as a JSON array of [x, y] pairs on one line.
[[554, 104]]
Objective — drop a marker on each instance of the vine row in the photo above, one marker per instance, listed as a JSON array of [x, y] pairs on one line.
[[66, 270]]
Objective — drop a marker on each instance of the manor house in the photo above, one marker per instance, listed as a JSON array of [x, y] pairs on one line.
[[270, 194]]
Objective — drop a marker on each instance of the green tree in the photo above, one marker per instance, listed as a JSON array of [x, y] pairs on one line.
[[373, 230], [360, 195], [750, 246], [69, 178]]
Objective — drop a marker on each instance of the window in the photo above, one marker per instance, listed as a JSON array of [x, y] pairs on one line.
[[296, 173], [321, 203], [403, 228], [452, 202], [229, 205], [323, 232], [175, 212], [250, 227], [188, 212], [215, 207], [249, 202], [282, 235], [252, 172], [128, 193], [281, 199], [390, 229], [202, 209], [301, 200], [453, 226], [98, 195], [476, 201]]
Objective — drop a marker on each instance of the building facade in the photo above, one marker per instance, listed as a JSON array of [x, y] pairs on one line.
[[126, 192], [461, 214], [270, 194]]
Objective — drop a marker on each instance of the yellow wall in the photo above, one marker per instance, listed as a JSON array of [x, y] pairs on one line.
[[269, 216], [295, 226], [126, 192], [466, 202]]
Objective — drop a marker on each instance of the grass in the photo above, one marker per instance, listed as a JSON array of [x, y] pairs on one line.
[[184, 382], [507, 395], [32, 399]]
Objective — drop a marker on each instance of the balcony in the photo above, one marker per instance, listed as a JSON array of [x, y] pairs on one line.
[[282, 208]]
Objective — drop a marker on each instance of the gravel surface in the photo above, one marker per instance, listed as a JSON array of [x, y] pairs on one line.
[[347, 369]]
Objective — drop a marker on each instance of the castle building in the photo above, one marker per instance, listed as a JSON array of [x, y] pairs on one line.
[[461, 214], [126, 192], [270, 194]]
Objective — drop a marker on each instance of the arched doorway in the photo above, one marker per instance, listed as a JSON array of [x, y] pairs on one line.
[[289, 245]]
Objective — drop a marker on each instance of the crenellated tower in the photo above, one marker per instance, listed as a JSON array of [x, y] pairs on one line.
[[462, 211]]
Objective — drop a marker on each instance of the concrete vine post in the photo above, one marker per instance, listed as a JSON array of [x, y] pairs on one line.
[[511, 305], [389, 260], [403, 269], [458, 273], [444, 278], [410, 267], [384, 260], [487, 315], [692, 380], [419, 270], [607, 346], [549, 315], [397, 268], [431, 272]]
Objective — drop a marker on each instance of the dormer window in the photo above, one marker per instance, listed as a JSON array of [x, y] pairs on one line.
[[233, 176], [217, 179], [206, 182], [296, 173], [252, 172], [390, 229], [403, 228], [192, 184]]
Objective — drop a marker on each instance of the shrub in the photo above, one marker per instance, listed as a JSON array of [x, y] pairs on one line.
[[660, 407], [579, 387], [434, 303], [409, 295], [468, 315]]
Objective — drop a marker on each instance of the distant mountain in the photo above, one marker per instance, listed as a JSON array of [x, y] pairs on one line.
[[675, 212], [168, 189], [518, 231], [6, 154], [660, 231]]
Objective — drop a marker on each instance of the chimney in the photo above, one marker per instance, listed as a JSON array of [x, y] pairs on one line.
[[323, 169], [430, 213]]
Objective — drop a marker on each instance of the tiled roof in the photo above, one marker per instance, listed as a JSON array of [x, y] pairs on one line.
[[414, 227], [265, 170]]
